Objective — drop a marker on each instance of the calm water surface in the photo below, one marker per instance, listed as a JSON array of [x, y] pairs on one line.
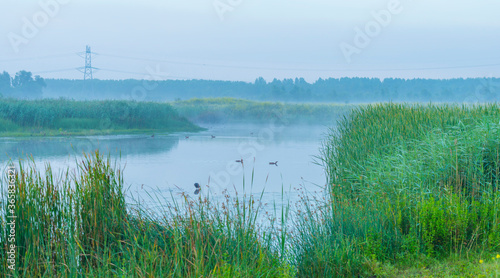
[[172, 163]]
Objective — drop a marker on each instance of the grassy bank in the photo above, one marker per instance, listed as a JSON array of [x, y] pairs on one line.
[[231, 110], [413, 192], [412, 187], [78, 225], [67, 117]]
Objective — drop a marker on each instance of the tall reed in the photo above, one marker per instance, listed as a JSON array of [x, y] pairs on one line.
[[405, 181], [78, 224]]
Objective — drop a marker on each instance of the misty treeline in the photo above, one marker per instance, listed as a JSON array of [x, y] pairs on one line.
[[22, 85], [343, 90]]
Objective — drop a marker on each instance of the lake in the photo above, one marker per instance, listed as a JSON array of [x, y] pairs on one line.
[[172, 163]]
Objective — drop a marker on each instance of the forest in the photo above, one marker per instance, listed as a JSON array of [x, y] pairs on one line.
[[340, 90], [22, 85]]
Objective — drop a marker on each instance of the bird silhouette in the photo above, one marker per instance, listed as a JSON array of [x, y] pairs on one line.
[[187, 137], [240, 161], [198, 188], [213, 137], [274, 163]]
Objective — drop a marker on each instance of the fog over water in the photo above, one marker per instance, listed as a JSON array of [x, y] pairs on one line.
[[172, 163], [301, 49]]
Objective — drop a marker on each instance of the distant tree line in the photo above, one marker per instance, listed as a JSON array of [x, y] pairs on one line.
[[22, 85], [342, 90]]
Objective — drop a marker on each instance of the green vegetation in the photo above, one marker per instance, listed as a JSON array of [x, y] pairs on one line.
[[230, 110], [78, 225], [68, 117], [339, 90], [413, 192], [23, 85], [408, 183]]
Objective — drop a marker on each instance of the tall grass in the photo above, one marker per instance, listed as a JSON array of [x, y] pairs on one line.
[[232, 110], [69, 115], [78, 224], [406, 181]]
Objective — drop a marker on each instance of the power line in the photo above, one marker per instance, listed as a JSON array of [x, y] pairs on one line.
[[36, 58], [250, 67], [433, 68], [120, 71], [58, 70], [141, 73], [109, 70], [88, 69], [297, 69]]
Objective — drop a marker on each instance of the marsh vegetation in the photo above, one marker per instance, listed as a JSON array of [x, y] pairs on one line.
[[69, 117], [413, 190]]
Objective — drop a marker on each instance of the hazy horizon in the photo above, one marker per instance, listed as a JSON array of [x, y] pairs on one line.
[[241, 40]]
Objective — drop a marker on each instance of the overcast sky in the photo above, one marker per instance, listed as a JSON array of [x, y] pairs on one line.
[[245, 39]]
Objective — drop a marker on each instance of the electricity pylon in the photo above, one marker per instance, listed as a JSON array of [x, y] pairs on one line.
[[87, 70]]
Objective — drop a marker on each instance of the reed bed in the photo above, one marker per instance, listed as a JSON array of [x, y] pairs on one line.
[[232, 110], [78, 225], [62, 116], [410, 187], [406, 182]]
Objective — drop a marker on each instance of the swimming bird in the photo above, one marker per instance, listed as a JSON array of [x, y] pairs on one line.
[[274, 163], [213, 137], [198, 188], [187, 137], [153, 136]]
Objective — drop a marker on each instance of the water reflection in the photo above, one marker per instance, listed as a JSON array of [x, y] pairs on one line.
[[49, 148], [274, 161]]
